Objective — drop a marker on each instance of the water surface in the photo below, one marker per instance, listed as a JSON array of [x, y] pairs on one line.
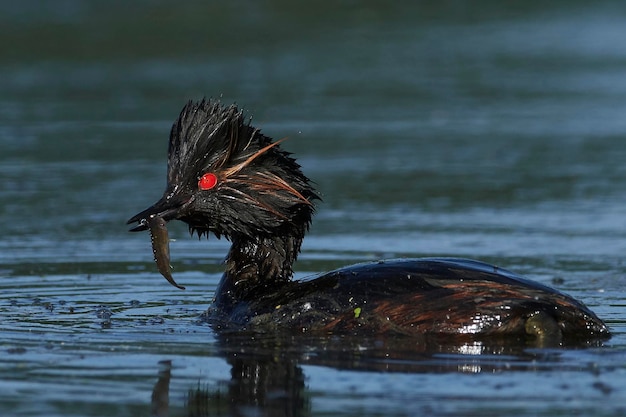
[[484, 132]]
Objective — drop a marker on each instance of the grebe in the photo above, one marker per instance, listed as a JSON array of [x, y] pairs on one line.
[[224, 177]]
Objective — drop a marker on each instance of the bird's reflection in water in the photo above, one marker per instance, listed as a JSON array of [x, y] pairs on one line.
[[161, 390], [260, 385], [267, 378]]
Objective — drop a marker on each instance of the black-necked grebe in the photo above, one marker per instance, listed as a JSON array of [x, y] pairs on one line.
[[226, 178]]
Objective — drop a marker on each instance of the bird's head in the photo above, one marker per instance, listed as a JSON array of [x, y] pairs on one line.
[[226, 178]]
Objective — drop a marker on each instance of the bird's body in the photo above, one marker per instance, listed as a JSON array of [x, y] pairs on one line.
[[429, 296], [226, 178]]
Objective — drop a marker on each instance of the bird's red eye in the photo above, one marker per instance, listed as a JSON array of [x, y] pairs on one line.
[[207, 181]]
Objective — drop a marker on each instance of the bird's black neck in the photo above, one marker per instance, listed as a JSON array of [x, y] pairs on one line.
[[256, 267]]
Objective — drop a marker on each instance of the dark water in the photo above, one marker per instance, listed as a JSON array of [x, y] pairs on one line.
[[474, 130]]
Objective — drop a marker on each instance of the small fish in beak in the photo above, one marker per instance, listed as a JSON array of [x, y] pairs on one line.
[[160, 246]]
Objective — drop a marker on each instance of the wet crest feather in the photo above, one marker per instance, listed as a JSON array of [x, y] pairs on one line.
[[204, 138], [260, 185]]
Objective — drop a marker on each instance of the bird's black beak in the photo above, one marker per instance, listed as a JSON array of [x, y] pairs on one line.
[[168, 208]]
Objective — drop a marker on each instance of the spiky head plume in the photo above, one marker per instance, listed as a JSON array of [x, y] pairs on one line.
[[225, 177]]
